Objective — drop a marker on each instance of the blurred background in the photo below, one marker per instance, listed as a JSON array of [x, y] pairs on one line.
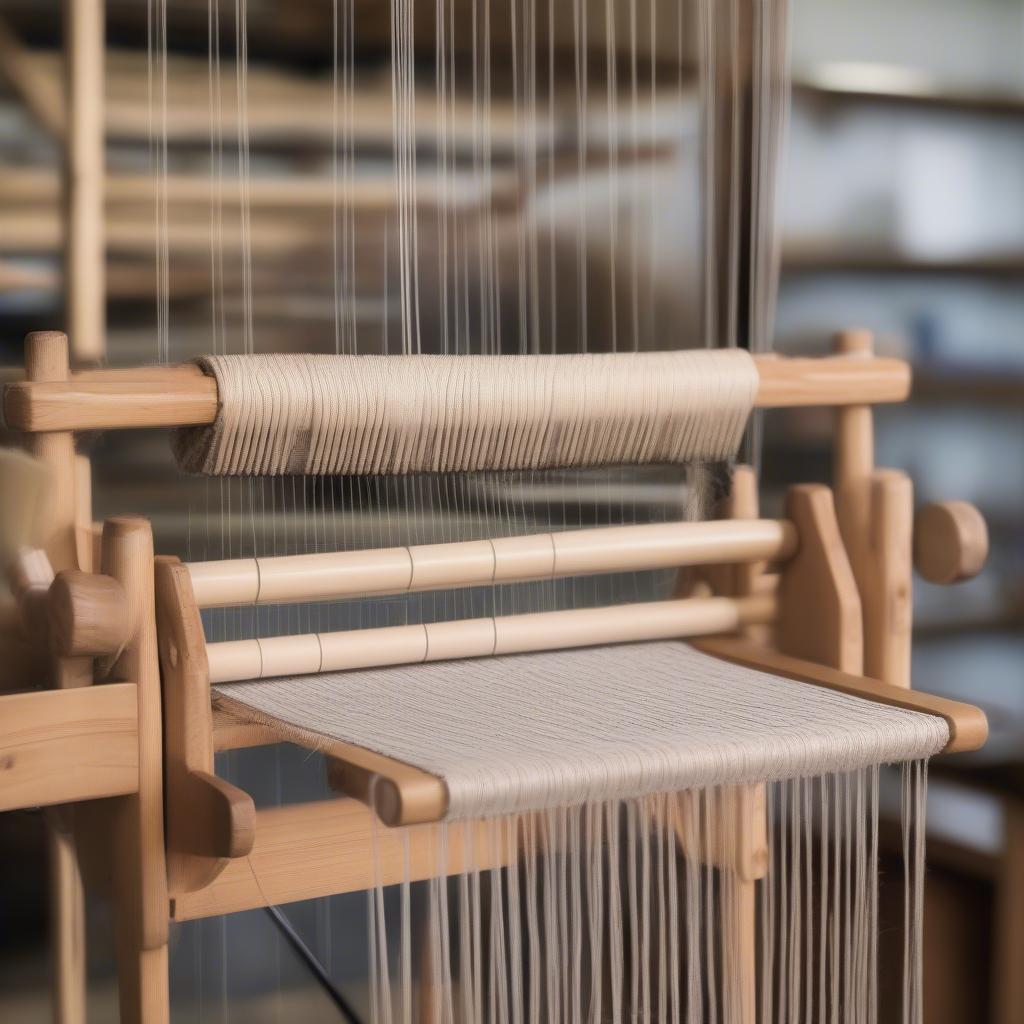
[[902, 210]]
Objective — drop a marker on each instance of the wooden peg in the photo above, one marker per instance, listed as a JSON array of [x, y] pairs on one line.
[[950, 541], [221, 821], [87, 614]]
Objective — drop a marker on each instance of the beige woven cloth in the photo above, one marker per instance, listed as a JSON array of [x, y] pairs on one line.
[[323, 414], [532, 731]]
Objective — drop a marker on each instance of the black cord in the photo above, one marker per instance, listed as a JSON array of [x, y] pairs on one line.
[[317, 968]]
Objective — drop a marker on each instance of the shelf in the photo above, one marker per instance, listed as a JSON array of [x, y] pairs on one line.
[[882, 85], [804, 259]]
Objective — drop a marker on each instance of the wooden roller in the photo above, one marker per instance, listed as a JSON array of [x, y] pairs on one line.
[[179, 396], [345, 574]]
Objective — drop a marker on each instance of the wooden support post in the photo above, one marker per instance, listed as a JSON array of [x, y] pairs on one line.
[[875, 512], [137, 855], [67, 920], [209, 821], [85, 249], [46, 359]]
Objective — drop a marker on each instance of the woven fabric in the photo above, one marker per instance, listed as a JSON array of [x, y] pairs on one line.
[[532, 731], [319, 414]]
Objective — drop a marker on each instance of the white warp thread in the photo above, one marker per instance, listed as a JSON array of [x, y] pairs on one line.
[[371, 414], [534, 731]]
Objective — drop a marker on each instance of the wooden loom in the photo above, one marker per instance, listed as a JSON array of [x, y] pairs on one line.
[[124, 743]]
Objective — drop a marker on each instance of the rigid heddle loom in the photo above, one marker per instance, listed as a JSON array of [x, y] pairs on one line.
[[599, 742], [638, 827]]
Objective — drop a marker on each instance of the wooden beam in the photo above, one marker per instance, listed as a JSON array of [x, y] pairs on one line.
[[176, 396], [62, 746], [968, 726], [305, 851]]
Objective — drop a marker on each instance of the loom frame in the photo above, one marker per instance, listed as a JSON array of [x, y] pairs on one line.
[[840, 614]]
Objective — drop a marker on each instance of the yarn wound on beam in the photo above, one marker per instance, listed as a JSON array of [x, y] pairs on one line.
[[370, 415]]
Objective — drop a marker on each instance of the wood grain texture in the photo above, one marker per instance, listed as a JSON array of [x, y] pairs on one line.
[[60, 746], [87, 614], [950, 542], [138, 842], [198, 844], [305, 851], [968, 726], [47, 360], [886, 582], [67, 920], [819, 610], [182, 398], [84, 150]]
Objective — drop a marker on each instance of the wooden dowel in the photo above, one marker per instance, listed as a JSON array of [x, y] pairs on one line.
[[82, 404], [344, 574], [237, 660], [85, 251], [97, 401]]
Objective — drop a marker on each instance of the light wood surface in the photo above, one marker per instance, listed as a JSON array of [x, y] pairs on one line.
[[207, 822], [62, 746], [886, 583], [333, 575], [238, 660], [84, 248], [137, 842], [950, 542], [399, 793], [874, 508], [88, 615], [47, 361], [968, 726], [819, 615], [306, 851], [84, 404], [738, 839], [94, 403], [67, 920]]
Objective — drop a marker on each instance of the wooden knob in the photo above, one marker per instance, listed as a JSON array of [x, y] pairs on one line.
[[950, 541], [88, 615]]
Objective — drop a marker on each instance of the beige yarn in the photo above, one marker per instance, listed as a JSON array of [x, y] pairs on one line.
[[323, 414], [535, 731]]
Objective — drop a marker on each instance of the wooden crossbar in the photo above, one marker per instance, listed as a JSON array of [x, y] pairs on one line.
[[347, 574], [178, 396], [59, 746], [310, 653]]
